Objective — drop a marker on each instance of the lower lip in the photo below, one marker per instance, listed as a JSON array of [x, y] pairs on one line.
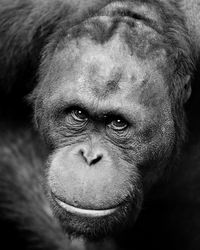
[[85, 212]]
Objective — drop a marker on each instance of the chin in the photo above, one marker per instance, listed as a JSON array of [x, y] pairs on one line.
[[94, 224]]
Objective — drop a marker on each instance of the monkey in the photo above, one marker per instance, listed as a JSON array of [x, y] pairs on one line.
[[107, 85]]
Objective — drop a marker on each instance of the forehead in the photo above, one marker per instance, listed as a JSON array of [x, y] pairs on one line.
[[103, 72]]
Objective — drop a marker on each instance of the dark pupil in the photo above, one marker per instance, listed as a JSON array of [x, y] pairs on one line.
[[79, 114], [119, 124]]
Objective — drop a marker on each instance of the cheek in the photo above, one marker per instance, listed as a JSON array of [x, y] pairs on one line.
[[158, 154], [103, 185], [166, 135]]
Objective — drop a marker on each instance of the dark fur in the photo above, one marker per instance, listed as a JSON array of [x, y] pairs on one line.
[[170, 216]]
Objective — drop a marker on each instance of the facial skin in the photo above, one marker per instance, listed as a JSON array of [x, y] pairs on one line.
[[106, 114]]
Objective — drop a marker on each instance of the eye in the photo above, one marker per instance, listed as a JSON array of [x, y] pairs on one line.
[[79, 115], [118, 124]]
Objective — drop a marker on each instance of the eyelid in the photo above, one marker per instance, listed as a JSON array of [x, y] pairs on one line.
[[111, 120], [105, 117], [73, 122], [116, 128], [75, 116]]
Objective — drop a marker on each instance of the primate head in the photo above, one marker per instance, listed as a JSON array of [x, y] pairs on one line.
[[109, 105]]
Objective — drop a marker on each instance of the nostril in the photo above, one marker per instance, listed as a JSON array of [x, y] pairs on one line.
[[96, 160], [82, 153], [91, 159]]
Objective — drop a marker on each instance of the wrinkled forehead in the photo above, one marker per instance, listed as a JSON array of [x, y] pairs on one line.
[[112, 41], [108, 56], [143, 38], [105, 73], [105, 68]]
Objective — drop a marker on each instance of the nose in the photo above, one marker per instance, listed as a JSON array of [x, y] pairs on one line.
[[91, 157]]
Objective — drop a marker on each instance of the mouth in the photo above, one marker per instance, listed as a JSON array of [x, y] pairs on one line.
[[85, 212]]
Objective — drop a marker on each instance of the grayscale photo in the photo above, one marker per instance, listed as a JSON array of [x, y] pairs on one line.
[[100, 124]]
